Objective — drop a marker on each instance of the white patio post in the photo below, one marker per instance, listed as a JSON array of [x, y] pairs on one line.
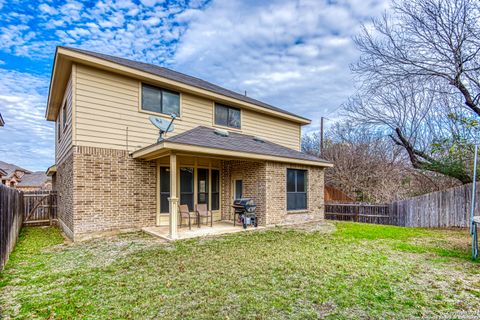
[[173, 196]]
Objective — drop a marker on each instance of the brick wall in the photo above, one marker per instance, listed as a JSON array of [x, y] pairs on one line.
[[64, 187], [276, 204], [112, 190], [253, 176], [265, 182], [104, 190]]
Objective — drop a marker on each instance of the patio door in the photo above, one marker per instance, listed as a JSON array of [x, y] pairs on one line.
[[187, 187], [202, 185], [237, 189], [164, 189]]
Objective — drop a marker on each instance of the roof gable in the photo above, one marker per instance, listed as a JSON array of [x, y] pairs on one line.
[[11, 169]]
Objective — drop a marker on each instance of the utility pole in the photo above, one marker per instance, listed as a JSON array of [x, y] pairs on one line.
[[321, 137]]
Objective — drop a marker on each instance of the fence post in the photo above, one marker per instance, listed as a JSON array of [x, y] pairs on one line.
[[50, 209]]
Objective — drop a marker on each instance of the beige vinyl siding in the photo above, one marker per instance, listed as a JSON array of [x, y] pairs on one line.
[[106, 104], [280, 131], [63, 145]]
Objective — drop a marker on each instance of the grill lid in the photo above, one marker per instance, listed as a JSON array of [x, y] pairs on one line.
[[244, 202]]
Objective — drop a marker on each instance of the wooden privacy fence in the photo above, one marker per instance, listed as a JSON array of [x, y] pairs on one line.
[[12, 211], [441, 209], [358, 212], [40, 207], [448, 208], [332, 194]]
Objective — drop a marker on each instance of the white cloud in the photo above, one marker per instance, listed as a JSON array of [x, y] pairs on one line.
[[26, 139], [47, 9], [151, 22], [150, 3], [146, 32], [294, 55]]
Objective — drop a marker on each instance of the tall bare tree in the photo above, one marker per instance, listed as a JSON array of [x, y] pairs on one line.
[[418, 118], [368, 167], [431, 40], [417, 65]]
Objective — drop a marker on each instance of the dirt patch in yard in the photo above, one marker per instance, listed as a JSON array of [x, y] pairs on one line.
[[315, 226]]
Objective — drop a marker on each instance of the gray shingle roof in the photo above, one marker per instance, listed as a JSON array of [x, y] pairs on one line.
[[34, 179], [180, 77], [10, 169], [206, 137]]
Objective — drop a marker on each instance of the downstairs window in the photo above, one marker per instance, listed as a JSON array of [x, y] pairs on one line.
[[296, 189]]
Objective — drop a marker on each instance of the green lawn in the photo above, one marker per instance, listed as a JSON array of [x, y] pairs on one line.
[[342, 271]]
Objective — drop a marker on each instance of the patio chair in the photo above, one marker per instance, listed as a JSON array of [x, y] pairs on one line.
[[185, 214], [202, 212]]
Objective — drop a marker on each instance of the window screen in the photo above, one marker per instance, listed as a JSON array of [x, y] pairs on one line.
[[160, 100], [202, 187], [64, 115], [296, 189], [186, 187], [164, 189], [227, 116], [215, 189]]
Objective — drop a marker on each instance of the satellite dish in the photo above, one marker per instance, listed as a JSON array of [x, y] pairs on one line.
[[163, 125]]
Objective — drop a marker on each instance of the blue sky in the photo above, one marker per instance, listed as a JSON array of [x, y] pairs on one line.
[[292, 54]]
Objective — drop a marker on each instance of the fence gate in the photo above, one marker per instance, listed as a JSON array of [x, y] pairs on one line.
[[40, 207]]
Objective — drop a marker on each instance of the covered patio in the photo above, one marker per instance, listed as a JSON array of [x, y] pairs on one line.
[[204, 167]]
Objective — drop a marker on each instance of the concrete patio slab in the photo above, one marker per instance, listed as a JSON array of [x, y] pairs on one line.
[[218, 228]]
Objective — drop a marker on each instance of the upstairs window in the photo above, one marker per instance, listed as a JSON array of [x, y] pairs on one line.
[[296, 189], [159, 100], [64, 115], [59, 126], [227, 116]]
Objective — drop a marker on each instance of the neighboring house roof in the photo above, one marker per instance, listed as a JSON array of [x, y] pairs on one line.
[[2, 122], [34, 179], [2, 173], [182, 78], [208, 138], [10, 169], [51, 170]]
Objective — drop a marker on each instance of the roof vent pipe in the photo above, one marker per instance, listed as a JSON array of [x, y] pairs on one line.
[[222, 133]]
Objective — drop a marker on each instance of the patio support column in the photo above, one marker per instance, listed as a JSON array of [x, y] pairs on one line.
[[173, 200]]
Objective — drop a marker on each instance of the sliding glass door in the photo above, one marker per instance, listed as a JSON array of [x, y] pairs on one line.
[[186, 187], [196, 185], [202, 187], [164, 189], [215, 190]]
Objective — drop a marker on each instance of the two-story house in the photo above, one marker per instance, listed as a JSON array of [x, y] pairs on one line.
[[111, 173], [11, 175], [16, 177]]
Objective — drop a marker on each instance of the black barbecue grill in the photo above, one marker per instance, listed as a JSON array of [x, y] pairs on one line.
[[245, 209]]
